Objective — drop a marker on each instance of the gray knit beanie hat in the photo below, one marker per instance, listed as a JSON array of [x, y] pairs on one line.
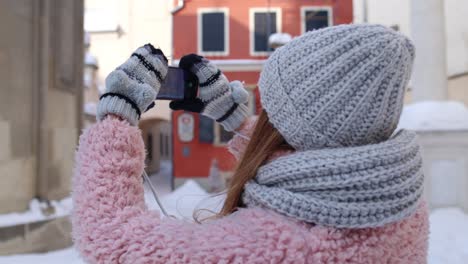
[[337, 87]]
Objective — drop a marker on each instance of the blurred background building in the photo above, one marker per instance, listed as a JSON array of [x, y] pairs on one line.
[[55, 55], [41, 72], [436, 103], [445, 18], [235, 36], [115, 29]]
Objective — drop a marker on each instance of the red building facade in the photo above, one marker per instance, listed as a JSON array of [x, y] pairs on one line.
[[234, 35]]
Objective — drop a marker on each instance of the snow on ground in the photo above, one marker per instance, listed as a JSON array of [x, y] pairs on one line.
[[434, 116], [448, 242], [34, 214], [184, 200], [65, 256]]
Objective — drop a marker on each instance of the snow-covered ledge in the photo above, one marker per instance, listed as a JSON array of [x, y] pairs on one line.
[[44, 227], [443, 134]]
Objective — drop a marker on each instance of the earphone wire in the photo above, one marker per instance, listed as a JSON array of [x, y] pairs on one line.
[[153, 190]]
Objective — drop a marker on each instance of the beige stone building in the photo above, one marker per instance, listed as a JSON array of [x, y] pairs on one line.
[[440, 76], [41, 65], [115, 29], [48, 77], [451, 23], [118, 27]]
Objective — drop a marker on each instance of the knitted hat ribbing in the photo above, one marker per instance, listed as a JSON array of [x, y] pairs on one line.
[[338, 86]]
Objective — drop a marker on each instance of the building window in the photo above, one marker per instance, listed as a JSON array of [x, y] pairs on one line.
[[263, 23], [314, 17], [206, 134], [213, 32]]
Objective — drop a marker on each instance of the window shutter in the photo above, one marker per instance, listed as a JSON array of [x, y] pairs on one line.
[[213, 32], [206, 130], [316, 19], [265, 25]]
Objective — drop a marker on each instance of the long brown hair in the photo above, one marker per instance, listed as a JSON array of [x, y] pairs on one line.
[[265, 141]]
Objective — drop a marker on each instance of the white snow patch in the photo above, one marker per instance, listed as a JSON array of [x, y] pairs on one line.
[[279, 38], [90, 60], [448, 239], [87, 39], [434, 116], [34, 213], [186, 199], [90, 108]]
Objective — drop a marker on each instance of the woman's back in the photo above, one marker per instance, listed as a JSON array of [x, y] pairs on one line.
[[112, 225]]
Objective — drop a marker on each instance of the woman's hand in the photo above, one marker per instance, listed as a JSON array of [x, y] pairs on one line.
[[218, 99], [132, 88]]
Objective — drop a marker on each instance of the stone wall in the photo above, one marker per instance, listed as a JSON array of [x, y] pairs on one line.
[[456, 90], [41, 63], [42, 236], [60, 100], [41, 73], [62, 134], [17, 106]]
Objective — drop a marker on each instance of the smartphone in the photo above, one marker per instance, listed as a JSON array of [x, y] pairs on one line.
[[179, 84]]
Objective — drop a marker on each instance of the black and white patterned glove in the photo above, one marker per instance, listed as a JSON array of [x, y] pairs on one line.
[[132, 88], [218, 99]]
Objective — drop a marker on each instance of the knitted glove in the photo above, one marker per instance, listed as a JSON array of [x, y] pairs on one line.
[[218, 99], [132, 88]]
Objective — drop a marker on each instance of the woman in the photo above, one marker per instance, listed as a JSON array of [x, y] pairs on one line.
[[322, 176]]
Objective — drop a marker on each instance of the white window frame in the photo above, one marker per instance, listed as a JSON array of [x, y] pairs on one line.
[[304, 9], [279, 23], [200, 12]]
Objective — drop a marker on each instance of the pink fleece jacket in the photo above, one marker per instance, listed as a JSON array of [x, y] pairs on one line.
[[111, 223]]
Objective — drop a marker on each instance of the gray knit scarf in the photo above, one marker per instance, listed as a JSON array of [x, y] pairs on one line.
[[349, 187]]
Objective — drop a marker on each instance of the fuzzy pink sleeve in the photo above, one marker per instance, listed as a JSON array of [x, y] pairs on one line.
[[107, 189], [111, 223]]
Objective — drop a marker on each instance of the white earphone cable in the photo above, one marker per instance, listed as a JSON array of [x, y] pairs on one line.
[[153, 190]]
